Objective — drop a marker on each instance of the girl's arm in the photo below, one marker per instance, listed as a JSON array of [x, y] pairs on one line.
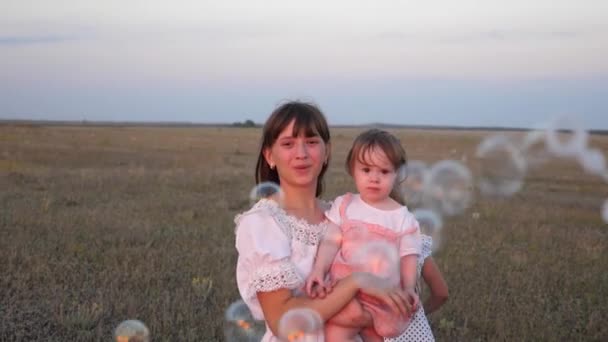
[[439, 288], [325, 256], [408, 271], [408, 279], [276, 303]]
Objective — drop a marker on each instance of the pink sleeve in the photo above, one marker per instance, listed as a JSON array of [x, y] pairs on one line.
[[411, 243]]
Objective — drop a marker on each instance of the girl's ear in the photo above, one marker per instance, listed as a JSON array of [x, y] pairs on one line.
[[327, 153], [268, 156]]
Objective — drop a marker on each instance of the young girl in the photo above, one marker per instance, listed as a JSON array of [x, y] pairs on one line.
[[373, 162], [419, 329], [276, 244]]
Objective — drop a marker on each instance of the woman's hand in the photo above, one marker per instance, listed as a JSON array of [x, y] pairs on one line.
[[395, 297]]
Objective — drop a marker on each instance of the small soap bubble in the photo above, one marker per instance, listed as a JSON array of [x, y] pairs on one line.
[[300, 324], [412, 184], [593, 161], [379, 258], [534, 148], [566, 137], [266, 190], [431, 224], [132, 331], [502, 166], [240, 325], [449, 188]]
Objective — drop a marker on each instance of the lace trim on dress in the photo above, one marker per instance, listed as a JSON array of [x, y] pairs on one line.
[[293, 227], [278, 275]]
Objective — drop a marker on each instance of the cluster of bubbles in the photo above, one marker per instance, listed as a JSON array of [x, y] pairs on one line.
[[132, 331], [446, 188], [296, 325]]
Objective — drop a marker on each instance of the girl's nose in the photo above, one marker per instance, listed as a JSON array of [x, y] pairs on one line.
[[301, 151]]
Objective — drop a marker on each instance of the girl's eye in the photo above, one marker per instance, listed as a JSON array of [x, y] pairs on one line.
[[386, 172], [365, 169], [313, 142], [286, 144]]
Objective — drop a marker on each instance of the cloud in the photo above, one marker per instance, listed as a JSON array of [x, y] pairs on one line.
[[36, 39], [484, 36]]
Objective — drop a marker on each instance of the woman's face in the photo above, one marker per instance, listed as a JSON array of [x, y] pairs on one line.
[[298, 160]]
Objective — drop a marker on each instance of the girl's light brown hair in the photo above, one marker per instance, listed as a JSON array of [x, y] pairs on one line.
[[309, 121], [372, 139]]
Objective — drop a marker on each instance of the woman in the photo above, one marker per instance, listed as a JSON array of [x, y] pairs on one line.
[[277, 243]]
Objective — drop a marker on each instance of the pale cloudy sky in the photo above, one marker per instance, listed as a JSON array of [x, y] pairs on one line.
[[455, 62]]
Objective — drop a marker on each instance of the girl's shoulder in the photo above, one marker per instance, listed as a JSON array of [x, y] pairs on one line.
[[260, 214]]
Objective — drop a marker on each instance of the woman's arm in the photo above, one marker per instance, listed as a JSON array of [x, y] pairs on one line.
[[276, 303], [439, 288]]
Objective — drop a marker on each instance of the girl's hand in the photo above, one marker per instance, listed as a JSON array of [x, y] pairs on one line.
[[315, 285], [412, 298], [396, 298]]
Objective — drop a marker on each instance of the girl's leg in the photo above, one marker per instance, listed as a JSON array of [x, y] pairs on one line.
[[338, 333], [352, 315], [369, 335]]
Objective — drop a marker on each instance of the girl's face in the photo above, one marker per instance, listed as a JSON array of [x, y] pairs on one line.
[[298, 160], [375, 177]]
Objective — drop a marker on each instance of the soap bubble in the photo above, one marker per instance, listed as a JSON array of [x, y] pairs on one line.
[[300, 324], [448, 188], [412, 184], [379, 258], [266, 190], [431, 224], [502, 166], [240, 325], [534, 148], [593, 161], [566, 137], [132, 331]]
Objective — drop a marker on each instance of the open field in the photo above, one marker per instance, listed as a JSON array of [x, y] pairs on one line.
[[103, 224]]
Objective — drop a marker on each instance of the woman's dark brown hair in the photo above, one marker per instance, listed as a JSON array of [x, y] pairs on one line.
[[374, 138], [308, 120]]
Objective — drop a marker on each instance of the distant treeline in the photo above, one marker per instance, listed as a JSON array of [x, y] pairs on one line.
[[251, 123]]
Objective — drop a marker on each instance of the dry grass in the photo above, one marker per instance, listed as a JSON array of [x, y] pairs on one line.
[[99, 225]]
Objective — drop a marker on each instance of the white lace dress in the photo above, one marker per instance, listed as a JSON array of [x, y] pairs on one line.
[[419, 328], [275, 251]]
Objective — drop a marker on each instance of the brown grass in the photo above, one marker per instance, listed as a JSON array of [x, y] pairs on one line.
[[99, 225]]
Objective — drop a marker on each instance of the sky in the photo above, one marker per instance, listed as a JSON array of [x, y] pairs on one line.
[[514, 63]]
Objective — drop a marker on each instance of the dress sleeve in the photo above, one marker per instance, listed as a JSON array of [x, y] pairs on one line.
[[264, 256], [411, 242], [333, 214]]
